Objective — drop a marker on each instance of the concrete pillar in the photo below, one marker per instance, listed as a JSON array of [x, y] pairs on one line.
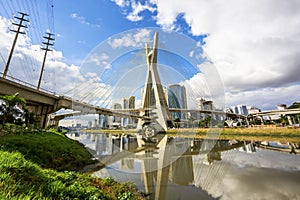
[[290, 120], [247, 122], [42, 112], [262, 120], [229, 123]]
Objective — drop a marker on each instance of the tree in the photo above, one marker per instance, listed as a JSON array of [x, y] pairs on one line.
[[177, 122], [206, 122], [294, 105], [10, 108], [283, 120]]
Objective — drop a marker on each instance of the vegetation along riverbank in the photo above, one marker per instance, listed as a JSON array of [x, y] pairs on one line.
[[43, 166], [39, 164]]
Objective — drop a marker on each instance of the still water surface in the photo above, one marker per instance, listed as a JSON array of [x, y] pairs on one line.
[[180, 168]]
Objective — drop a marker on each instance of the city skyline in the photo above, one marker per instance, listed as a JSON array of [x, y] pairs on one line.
[[255, 58]]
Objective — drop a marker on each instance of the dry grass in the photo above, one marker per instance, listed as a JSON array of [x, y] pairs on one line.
[[283, 134], [258, 133]]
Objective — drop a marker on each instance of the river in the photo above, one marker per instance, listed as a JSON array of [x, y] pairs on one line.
[[186, 168]]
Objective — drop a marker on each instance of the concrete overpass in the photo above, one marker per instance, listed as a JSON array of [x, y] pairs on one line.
[[42, 103], [286, 112], [293, 111], [134, 113]]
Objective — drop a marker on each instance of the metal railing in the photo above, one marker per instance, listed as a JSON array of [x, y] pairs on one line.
[[23, 83]]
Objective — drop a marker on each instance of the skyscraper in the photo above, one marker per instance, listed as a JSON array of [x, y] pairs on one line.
[[240, 109], [116, 120], [176, 98], [204, 105], [128, 103]]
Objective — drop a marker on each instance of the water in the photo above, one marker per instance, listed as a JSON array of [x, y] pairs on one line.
[[199, 169]]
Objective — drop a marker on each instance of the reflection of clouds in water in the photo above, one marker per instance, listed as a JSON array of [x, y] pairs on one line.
[[266, 159], [263, 183], [262, 175]]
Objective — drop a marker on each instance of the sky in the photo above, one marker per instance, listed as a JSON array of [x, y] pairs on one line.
[[253, 45]]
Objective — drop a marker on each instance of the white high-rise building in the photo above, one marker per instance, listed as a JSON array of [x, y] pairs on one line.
[[240, 109], [281, 106], [203, 104], [253, 110]]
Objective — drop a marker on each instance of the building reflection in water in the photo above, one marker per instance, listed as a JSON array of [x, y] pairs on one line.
[[175, 169]]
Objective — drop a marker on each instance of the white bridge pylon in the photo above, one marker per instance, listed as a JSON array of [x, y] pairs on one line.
[[153, 90]]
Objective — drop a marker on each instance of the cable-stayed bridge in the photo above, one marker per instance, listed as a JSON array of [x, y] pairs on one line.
[[43, 103]]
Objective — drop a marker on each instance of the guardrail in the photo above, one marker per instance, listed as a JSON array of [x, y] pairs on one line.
[[26, 84], [29, 85]]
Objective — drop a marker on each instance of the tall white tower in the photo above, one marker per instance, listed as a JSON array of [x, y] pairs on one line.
[[159, 112]]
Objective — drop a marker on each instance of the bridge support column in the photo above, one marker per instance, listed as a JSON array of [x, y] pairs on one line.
[[54, 120], [41, 112], [247, 122], [290, 120], [261, 119], [229, 123]]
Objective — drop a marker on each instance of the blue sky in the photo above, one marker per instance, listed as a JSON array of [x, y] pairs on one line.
[[92, 22], [83, 26], [253, 45]]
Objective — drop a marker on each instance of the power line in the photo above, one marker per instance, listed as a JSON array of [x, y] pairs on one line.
[[19, 25], [48, 43]]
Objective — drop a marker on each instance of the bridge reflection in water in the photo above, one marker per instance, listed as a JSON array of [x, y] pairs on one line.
[[189, 168]]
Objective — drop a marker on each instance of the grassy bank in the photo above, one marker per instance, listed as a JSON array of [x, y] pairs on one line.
[[22, 179], [43, 165], [49, 150]]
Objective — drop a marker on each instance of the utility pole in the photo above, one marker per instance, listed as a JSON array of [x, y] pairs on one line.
[[48, 43], [19, 25]]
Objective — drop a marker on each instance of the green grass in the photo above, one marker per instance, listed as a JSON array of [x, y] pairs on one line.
[[42, 166], [23, 179], [48, 149]]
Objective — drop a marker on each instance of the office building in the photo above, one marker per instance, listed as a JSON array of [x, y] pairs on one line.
[[176, 98], [128, 103]]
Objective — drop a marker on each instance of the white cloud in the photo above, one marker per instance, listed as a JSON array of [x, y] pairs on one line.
[[137, 8], [265, 98], [82, 20], [207, 85], [134, 8], [27, 60], [191, 54], [131, 40], [101, 60], [255, 45], [121, 3]]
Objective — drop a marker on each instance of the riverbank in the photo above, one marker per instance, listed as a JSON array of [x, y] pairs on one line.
[[258, 133], [49, 150], [44, 166], [281, 134]]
